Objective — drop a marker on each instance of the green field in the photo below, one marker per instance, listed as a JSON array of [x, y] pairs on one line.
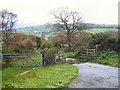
[[52, 76], [100, 30]]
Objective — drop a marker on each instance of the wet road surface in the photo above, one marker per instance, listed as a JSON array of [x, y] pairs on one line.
[[95, 76]]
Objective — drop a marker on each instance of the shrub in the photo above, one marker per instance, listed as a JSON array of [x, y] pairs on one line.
[[80, 37], [28, 45], [23, 46], [38, 42], [19, 43], [71, 54], [107, 42], [50, 55], [6, 50], [18, 47], [77, 39], [46, 45], [112, 34], [59, 39]]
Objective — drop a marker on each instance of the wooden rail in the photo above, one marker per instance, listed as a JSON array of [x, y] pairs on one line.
[[12, 56], [90, 52]]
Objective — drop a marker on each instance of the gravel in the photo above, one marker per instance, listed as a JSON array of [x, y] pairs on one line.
[[95, 76]]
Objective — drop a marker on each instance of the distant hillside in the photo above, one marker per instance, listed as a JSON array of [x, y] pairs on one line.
[[22, 25], [36, 30], [50, 29], [92, 25]]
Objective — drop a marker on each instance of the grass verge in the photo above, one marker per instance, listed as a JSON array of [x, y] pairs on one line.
[[52, 76], [107, 58]]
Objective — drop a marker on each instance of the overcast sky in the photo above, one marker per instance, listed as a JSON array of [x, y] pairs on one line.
[[38, 11]]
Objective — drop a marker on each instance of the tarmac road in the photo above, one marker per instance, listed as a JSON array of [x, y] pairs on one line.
[[93, 75]]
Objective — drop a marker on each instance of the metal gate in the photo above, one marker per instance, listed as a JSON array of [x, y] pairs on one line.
[[20, 59]]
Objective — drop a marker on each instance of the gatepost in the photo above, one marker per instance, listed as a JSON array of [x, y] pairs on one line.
[[43, 57]]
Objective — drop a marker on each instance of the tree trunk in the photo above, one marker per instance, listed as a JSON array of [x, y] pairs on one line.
[[69, 40]]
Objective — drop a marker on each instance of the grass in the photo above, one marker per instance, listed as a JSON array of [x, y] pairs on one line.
[[107, 58], [52, 76], [0, 78], [100, 30], [70, 54], [104, 57]]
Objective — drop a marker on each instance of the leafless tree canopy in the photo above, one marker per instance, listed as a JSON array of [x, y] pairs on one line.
[[7, 21], [70, 20]]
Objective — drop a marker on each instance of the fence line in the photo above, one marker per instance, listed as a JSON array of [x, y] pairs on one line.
[[90, 52]]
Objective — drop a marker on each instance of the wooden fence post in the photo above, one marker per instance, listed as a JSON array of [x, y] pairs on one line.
[[43, 57], [87, 52], [96, 47]]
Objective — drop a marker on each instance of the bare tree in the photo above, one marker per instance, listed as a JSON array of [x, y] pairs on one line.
[[69, 20], [7, 21]]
